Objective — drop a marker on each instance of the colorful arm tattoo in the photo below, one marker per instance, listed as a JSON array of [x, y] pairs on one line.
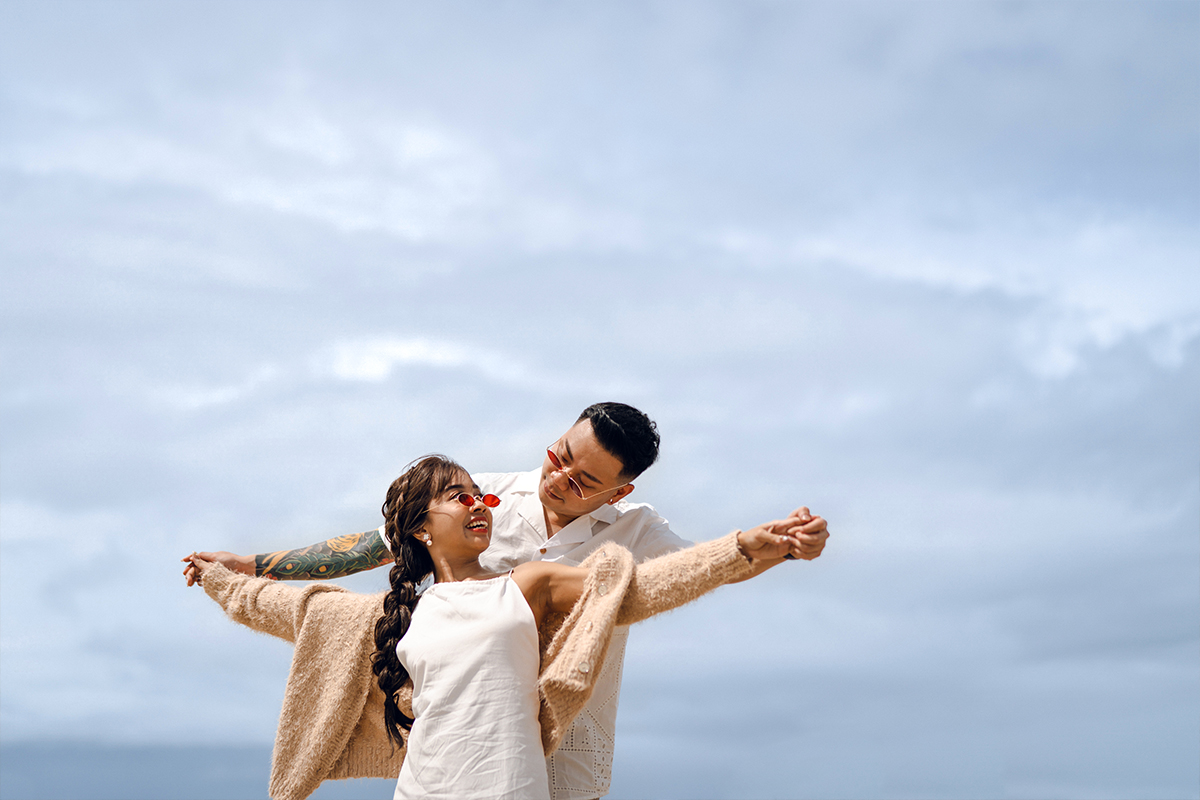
[[334, 558]]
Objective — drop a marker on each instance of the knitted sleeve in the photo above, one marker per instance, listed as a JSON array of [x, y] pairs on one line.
[[578, 643], [670, 581], [259, 603]]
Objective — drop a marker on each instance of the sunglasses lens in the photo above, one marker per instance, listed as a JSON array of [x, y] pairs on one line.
[[490, 500], [575, 489], [466, 499]]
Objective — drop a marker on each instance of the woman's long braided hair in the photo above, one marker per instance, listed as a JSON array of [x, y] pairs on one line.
[[404, 512]]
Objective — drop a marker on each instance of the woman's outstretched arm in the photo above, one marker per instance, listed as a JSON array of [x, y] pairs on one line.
[[548, 586], [332, 558], [670, 581], [262, 605]]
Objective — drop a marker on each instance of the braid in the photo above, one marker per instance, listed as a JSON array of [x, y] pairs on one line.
[[404, 511]]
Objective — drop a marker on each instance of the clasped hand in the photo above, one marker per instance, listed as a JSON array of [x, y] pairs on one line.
[[198, 562], [801, 535]]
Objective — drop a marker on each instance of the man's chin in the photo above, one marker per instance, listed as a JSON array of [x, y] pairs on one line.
[[550, 500]]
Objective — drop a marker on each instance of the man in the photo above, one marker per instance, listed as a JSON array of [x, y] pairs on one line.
[[561, 512]]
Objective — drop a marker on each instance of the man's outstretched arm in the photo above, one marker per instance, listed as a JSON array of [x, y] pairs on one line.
[[332, 558]]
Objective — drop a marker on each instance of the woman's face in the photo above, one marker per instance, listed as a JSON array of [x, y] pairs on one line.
[[454, 528]]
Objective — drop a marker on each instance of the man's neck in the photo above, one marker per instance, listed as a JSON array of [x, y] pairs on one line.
[[556, 522]]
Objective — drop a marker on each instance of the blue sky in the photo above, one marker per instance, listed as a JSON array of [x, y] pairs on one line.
[[928, 268]]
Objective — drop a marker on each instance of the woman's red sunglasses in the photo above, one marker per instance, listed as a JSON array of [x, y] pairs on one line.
[[468, 499]]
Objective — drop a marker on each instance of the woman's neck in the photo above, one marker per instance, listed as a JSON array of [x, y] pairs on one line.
[[449, 570]]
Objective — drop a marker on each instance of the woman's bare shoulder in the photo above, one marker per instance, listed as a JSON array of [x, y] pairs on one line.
[[535, 570], [540, 574]]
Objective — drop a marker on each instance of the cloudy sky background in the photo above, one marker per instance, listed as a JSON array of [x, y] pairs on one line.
[[928, 268]]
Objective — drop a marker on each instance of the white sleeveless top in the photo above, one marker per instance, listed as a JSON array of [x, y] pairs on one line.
[[472, 652]]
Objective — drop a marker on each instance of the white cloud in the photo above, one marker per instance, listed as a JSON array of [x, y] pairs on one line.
[[359, 172], [1096, 277], [195, 397], [373, 360]]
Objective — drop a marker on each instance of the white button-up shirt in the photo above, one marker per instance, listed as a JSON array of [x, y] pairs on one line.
[[581, 767]]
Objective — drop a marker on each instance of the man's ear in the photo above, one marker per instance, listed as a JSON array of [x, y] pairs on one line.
[[621, 493]]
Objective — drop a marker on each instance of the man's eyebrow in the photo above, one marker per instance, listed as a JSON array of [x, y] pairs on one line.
[[588, 475], [570, 457]]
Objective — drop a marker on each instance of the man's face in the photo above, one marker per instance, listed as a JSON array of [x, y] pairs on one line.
[[596, 471]]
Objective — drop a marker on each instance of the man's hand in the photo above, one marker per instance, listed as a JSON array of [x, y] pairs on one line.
[[236, 563], [332, 558], [812, 535], [801, 535]]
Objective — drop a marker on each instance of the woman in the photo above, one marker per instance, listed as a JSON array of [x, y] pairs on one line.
[[498, 664]]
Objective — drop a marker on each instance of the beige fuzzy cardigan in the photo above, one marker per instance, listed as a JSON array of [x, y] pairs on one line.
[[331, 724]]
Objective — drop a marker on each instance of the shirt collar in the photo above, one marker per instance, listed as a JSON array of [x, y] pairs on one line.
[[527, 483], [583, 527], [605, 513]]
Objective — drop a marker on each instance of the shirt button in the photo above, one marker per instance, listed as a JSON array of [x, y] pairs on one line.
[[589, 626], [585, 667], [602, 589], [542, 551]]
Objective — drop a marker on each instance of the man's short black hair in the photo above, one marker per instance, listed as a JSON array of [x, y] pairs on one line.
[[627, 433]]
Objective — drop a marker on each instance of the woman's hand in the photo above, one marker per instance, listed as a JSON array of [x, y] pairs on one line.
[[801, 535], [812, 534], [198, 562]]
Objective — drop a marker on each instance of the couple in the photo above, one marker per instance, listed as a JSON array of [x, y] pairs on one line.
[[471, 646]]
